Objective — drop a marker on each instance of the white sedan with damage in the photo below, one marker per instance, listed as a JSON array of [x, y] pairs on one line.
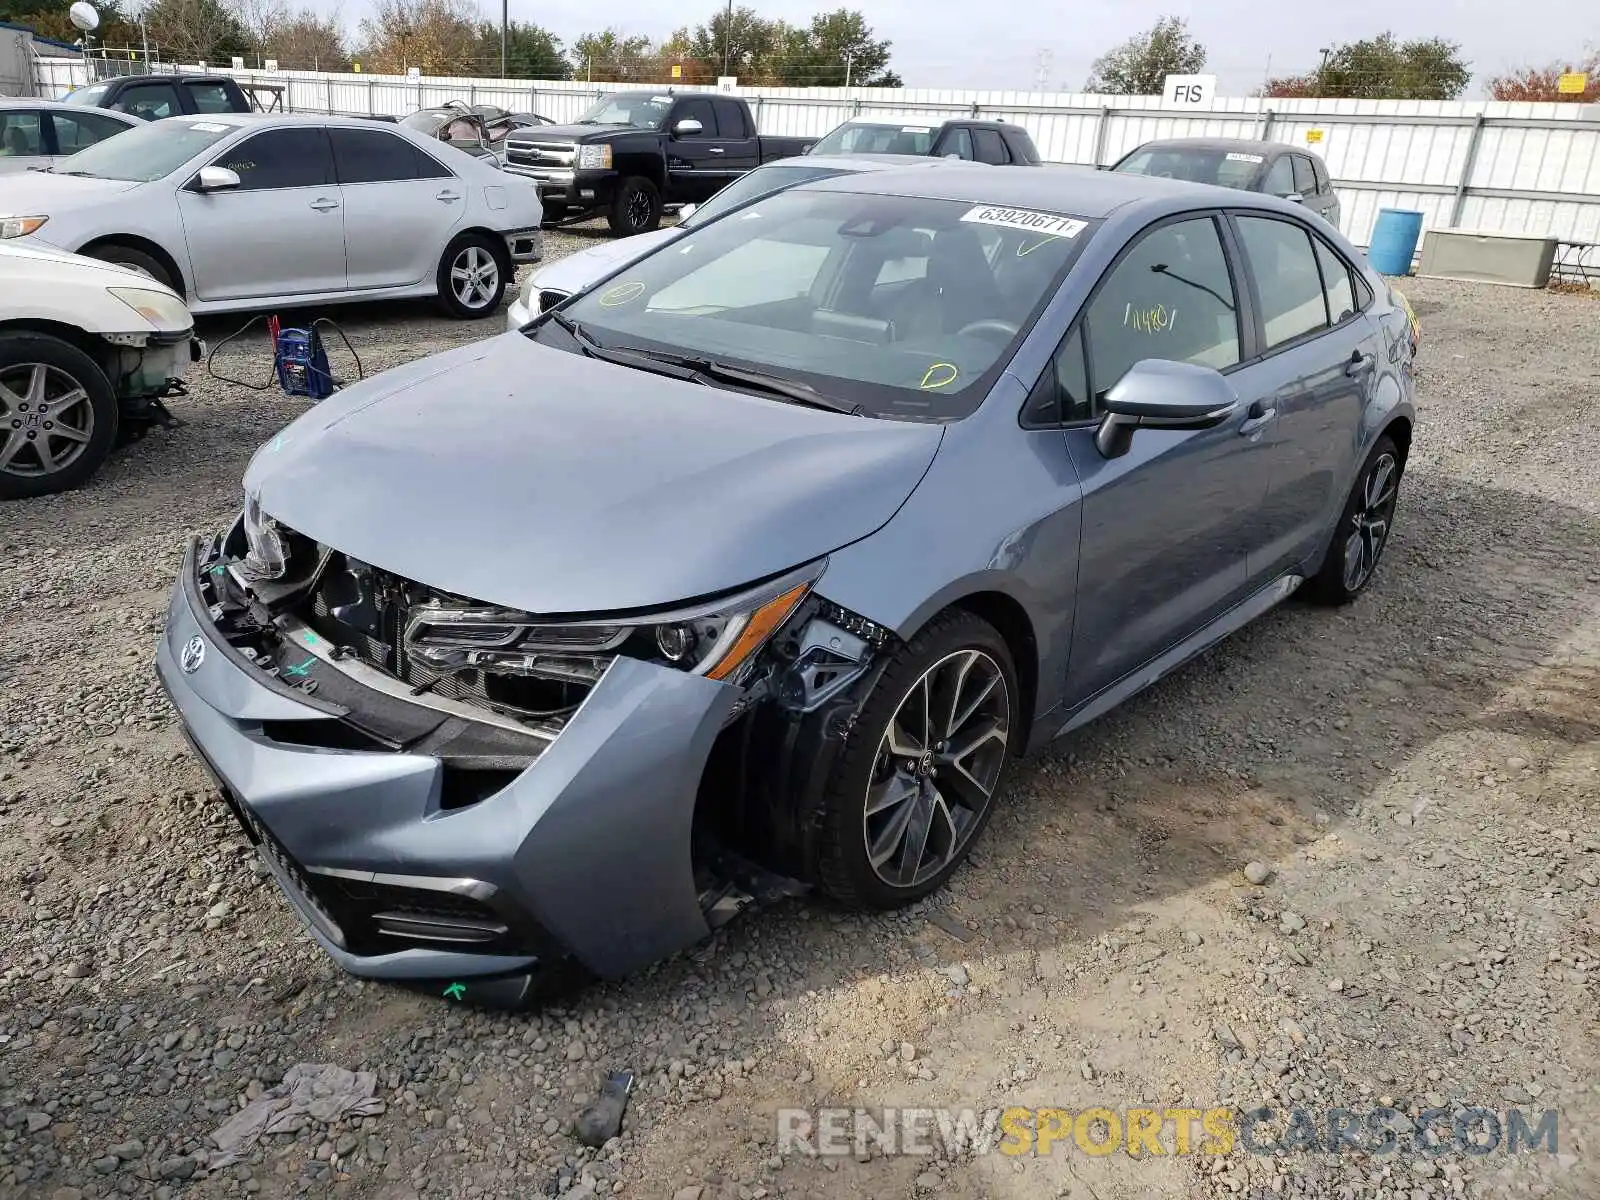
[[249, 211]]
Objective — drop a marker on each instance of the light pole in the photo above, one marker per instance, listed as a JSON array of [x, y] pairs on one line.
[[727, 38], [503, 11]]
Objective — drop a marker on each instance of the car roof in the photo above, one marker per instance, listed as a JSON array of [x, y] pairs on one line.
[[971, 122], [274, 120], [16, 102], [861, 163], [1078, 191], [1248, 145]]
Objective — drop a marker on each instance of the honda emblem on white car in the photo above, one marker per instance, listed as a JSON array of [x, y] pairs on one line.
[[194, 653]]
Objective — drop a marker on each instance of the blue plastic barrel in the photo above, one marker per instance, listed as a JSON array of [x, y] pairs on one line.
[[1394, 240]]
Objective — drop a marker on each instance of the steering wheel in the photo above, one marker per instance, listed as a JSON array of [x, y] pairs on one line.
[[990, 326]]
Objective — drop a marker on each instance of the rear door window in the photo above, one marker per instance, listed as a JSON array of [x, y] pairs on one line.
[[149, 101], [1324, 184], [76, 130], [730, 119], [1287, 277], [372, 156], [21, 134], [210, 97], [1335, 282]]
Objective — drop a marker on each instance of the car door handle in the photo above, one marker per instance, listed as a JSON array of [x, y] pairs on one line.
[[448, 196], [1359, 364], [716, 149], [323, 204], [1257, 420]]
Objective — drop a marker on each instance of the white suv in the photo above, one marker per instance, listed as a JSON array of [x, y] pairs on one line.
[[86, 349]]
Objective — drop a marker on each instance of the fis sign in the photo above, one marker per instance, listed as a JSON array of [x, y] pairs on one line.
[[1189, 91]]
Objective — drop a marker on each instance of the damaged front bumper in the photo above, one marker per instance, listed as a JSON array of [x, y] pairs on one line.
[[423, 839]]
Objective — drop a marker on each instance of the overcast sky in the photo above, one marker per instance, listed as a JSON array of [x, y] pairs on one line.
[[996, 43]]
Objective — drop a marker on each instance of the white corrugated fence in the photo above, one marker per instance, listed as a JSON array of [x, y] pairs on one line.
[[1501, 167]]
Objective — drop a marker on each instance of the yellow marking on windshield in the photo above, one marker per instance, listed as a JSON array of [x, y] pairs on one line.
[[620, 294], [940, 374], [1029, 250]]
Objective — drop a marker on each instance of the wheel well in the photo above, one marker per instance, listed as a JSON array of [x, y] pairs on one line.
[[133, 242], [1400, 430], [1011, 621], [497, 244], [71, 334]]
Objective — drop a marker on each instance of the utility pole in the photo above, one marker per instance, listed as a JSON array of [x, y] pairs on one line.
[[849, 61], [503, 10], [727, 38], [1043, 71]]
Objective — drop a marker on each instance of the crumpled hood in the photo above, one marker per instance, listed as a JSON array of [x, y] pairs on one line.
[[520, 475]]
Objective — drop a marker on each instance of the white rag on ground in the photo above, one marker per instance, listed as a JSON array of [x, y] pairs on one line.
[[319, 1092]]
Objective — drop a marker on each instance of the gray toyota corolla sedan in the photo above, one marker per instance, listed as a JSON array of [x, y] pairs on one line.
[[763, 559]]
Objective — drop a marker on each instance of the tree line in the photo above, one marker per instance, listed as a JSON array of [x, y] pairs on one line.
[[1375, 68], [451, 37]]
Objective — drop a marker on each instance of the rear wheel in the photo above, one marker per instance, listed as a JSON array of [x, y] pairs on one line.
[[58, 416], [915, 788], [1363, 530], [473, 274], [636, 208], [138, 260]]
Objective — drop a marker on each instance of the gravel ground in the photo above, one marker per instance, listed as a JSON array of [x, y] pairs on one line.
[[1412, 783]]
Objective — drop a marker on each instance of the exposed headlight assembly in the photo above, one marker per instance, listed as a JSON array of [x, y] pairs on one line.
[[267, 555], [718, 639], [594, 158]]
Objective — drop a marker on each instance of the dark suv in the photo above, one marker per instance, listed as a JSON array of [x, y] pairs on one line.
[[1271, 167], [152, 97], [996, 142]]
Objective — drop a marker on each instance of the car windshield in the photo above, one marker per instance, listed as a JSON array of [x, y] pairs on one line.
[[905, 307], [642, 110], [866, 137], [1226, 168], [755, 184], [148, 152], [86, 95]]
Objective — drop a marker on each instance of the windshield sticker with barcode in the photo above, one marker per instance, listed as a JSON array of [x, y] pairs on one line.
[[1235, 156], [1052, 224], [209, 127]]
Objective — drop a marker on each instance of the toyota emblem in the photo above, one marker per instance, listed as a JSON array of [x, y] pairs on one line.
[[194, 653]]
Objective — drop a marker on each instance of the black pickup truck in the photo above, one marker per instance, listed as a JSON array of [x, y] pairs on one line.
[[633, 153]]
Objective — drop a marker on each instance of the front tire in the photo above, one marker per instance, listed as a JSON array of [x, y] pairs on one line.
[[916, 785], [1363, 530], [138, 260], [636, 208], [58, 416], [473, 273]]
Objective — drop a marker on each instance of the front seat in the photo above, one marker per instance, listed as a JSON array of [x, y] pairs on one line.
[[959, 289], [17, 144]]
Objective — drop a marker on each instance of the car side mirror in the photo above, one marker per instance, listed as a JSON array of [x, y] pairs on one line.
[[1292, 197], [687, 211], [688, 127], [216, 179], [1159, 394]]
